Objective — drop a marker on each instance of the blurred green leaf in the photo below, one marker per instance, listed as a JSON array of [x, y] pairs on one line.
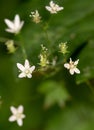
[[54, 93], [86, 63]]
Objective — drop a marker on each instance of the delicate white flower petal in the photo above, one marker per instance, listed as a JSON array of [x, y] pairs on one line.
[[12, 118], [23, 116], [29, 75], [71, 61], [52, 3], [77, 70], [20, 66], [22, 75], [20, 109], [48, 8], [32, 69], [60, 8], [17, 21], [66, 65], [9, 30], [13, 110], [21, 24], [9, 24], [76, 62], [26, 65], [71, 71], [20, 122]]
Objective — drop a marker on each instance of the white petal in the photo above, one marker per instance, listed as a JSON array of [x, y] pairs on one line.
[[71, 61], [13, 110], [20, 109], [17, 21], [22, 75], [52, 3], [9, 23], [32, 69], [29, 75], [27, 64], [77, 70], [48, 8], [76, 62], [20, 66], [10, 30], [71, 71], [21, 24], [60, 8], [20, 122], [66, 65], [12, 118], [23, 116]]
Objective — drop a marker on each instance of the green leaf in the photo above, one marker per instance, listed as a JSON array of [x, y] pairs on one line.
[[86, 63], [54, 93]]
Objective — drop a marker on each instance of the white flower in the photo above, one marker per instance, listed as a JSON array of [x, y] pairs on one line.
[[36, 16], [15, 25], [17, 115], [72, 66], [53, 8], [26, 70]]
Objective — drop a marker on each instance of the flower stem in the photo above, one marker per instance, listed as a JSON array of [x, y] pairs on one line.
[[90, 86], [22, 46]]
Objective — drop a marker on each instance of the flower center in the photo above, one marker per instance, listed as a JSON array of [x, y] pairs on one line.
[[18, 115], [27, 71], [72, 65]]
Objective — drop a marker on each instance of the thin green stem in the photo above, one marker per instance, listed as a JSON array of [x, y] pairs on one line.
[[90, 86], [22, 46], [47, 37]]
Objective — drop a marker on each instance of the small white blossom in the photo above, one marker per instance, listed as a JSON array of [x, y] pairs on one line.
[[36, 16], [53, 8], [72, 66], [26, 70], [17, 115], [15, 25]]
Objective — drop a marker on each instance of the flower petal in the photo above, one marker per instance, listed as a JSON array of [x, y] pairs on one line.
[[29, 75], [20, 109], [76, 62], [27, 64], [17, 21], [9, 30], [20, 122], [22, 75], [60, 8], [77, 70], [12, 118], [32, 69], [9, 23], [52, 4], [71, 71], [13, 110], [66, 65], [21, 24], [20, 66], [48, 8]]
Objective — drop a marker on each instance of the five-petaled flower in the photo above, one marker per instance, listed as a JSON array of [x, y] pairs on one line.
[[26, 70], [72, 66], [35, 16], [17, 115], [53, 8], [15, 25]]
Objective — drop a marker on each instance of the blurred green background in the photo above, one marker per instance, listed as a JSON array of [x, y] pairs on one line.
[[52, 101]]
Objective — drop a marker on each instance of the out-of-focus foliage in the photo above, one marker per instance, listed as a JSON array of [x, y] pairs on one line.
[[52, 100]]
